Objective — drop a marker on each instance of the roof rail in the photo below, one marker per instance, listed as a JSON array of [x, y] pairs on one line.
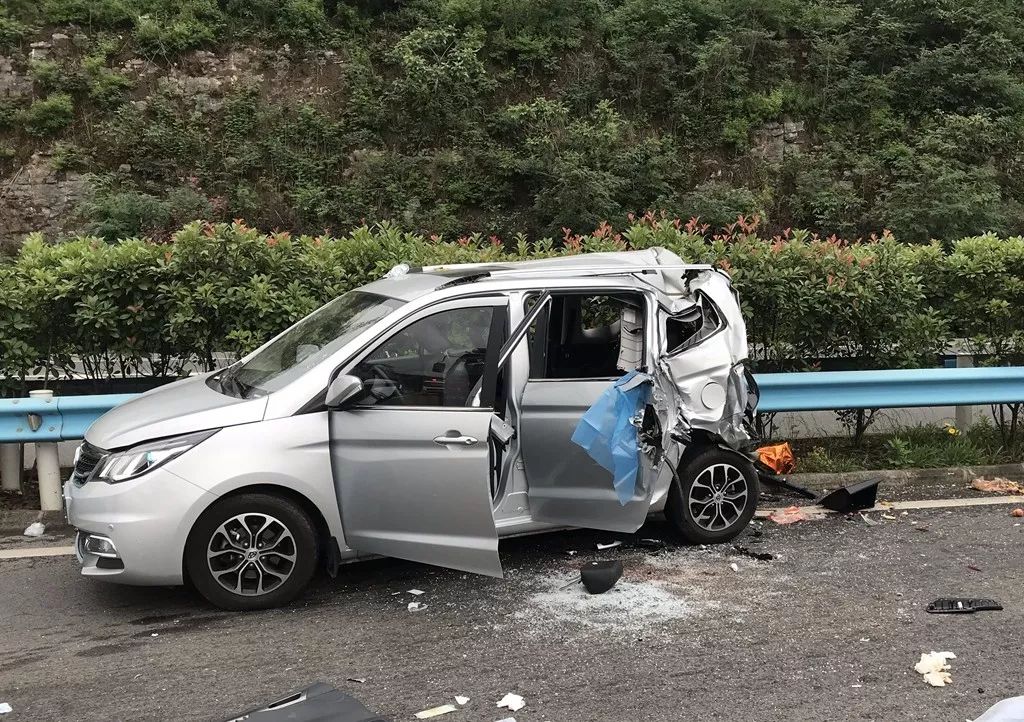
[[495, 270]]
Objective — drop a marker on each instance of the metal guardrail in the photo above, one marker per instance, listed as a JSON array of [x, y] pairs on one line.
[[827, 390], [66, 418], [63, 418]]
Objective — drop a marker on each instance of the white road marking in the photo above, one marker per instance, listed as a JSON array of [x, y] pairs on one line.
[[32, 552], [922, 504]]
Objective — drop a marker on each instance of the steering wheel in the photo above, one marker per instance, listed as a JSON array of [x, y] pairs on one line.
[[382, 385]]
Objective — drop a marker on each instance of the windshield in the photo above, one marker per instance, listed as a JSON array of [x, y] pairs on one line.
[[305, 344]]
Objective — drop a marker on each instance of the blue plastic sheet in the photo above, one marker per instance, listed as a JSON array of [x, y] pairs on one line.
[[607, 434]]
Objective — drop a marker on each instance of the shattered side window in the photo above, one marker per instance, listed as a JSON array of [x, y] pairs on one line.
[[694, 325]]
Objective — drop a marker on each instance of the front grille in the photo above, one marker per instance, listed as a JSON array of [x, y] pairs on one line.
[[88, 458]]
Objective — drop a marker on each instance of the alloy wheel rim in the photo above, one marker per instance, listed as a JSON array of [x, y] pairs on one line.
[[717, 497], [251, 554]]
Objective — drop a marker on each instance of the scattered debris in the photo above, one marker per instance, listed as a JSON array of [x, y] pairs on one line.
[[997, 485], [868, 520], [316, 702], [416, 607], [36, 528], [357, 680], [513, 702], [1017, 512], [889, 517], [1007, 710], [973, 568], [571, 552], [948, 605], [935, 668], [436, 711], [760, 556], [653, 544], [777, 457], [601, 547], [853, 497], [599, 577], [154, 634], [789, 515], [415, 592], [5, 708], [461, 700], [856, 686], [507, 719], [734, 566]]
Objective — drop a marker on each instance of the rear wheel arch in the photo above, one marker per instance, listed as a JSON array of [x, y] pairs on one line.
[[705, 449]]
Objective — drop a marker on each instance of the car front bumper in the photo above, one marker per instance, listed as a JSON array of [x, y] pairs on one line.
[[147, 520]]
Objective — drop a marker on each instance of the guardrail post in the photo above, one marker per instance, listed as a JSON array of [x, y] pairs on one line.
[[964, 415], [48, 466], [11, 463]]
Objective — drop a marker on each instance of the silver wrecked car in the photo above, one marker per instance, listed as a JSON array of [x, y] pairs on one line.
[[423, 416]]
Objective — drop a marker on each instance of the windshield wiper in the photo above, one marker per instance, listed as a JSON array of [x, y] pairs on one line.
[[232, 385]]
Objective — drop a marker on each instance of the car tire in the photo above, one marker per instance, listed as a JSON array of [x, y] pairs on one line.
[[252, 551], [714, 498]]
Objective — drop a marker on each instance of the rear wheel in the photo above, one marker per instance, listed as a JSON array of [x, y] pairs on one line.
[[252, 551], [715, 498]]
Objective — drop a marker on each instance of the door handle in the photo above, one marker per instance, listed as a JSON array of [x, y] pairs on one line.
[[457, 440]]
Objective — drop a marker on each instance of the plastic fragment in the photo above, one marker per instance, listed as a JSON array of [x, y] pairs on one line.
[[934, 667], [416, 592], [5, 708], [36, 528], [1007, 710], [890, 517], [611, 545], [868, 520], [512, 701], [997, 485], [734, 566], [358, 680], [461, 700], [416, 607], [507, 719], [436, 711]]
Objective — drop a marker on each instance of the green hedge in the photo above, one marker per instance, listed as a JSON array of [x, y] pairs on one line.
[[228, 287]]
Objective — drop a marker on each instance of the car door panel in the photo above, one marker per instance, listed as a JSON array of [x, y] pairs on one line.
[[412, 470], [566, 485], [404, 495]]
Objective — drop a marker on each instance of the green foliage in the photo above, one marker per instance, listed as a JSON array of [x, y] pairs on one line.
[[112, 212], [529, 116], [12, 31], [49, 115], [215, 286]]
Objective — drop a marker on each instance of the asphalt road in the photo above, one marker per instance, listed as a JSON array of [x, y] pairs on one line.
[[828, 630]]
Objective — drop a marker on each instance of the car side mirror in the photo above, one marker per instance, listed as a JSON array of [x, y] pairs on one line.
[[342, 391]]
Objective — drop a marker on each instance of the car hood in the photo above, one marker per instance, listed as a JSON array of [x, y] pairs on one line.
[[181, 407]]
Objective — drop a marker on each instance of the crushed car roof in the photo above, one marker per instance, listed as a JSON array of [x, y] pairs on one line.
[[662, 269]]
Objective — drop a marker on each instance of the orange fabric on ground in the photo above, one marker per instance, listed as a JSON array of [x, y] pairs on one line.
[[778, 457]]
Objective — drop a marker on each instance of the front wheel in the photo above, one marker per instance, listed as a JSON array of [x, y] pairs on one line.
[[252, 551], [715, 497]]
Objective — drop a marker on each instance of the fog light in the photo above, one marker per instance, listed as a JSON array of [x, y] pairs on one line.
[[101, 546]]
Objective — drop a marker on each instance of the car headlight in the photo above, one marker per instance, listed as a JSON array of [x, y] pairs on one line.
[[133, 462]]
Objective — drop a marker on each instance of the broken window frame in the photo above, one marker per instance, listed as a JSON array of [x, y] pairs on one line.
[[544, 318], [704, 303]]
